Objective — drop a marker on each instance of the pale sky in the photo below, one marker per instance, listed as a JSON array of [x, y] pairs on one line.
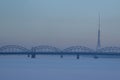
[[60, 23]]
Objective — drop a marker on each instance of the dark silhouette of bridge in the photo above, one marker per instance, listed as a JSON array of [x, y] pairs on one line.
[[51, 50]]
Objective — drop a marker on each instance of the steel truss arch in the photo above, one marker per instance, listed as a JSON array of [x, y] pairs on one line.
[[13, 48], [78, 49], [45, 48]]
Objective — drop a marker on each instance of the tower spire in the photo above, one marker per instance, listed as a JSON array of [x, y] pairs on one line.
[[99, 42]]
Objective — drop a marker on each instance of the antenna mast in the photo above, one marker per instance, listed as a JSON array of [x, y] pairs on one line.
[[99, 42]]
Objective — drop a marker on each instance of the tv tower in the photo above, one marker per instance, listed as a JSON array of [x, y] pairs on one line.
[[98, 41]]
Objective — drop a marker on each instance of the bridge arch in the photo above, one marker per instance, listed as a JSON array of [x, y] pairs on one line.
[[45, 48], [110, 50], [78, 49], [13, 48]]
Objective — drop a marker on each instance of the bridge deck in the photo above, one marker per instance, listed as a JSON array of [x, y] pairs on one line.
[[57, 53]]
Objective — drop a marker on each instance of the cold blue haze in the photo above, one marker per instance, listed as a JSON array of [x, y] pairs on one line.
[[54, 68], [59, 23]]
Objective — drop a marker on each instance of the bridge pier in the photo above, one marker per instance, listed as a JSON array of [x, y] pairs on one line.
[[61, 56], [95, 57], [33, 55], [78, 56]]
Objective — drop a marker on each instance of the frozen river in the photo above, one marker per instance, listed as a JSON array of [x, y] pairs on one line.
[[45, 67]]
